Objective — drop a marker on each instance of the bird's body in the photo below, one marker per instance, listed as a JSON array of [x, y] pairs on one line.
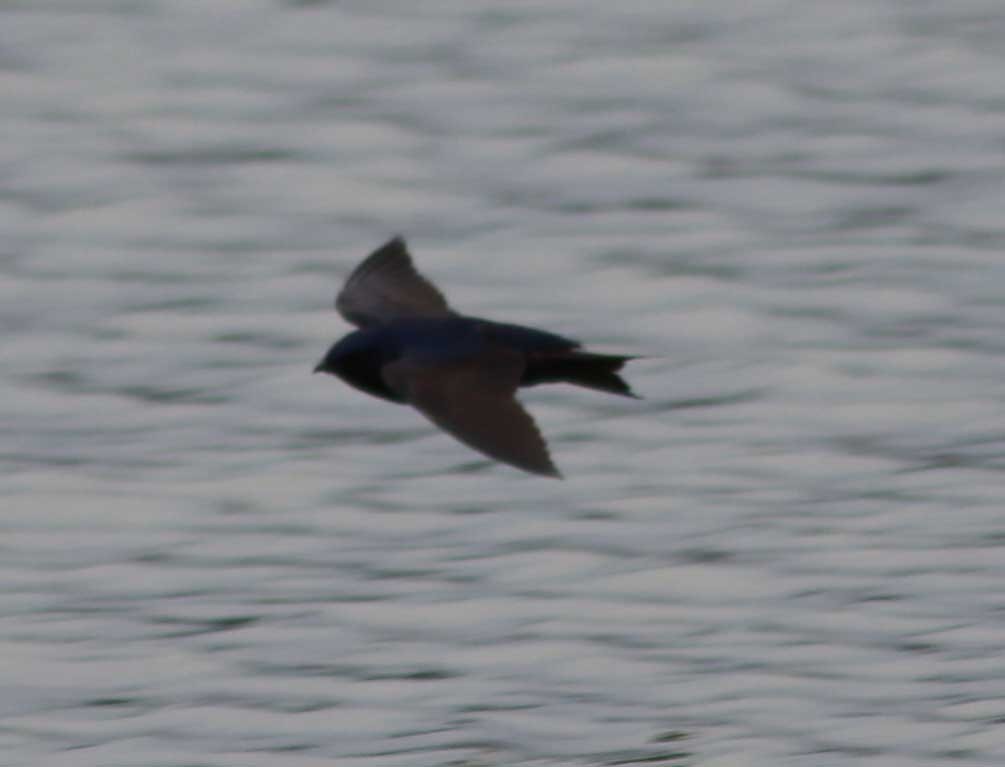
[[461, 372]]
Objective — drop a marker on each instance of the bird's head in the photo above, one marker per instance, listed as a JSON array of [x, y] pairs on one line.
[[358, 359], [343, 353]]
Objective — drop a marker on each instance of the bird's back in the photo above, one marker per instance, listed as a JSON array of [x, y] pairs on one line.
[[524, 339], [442, 339]]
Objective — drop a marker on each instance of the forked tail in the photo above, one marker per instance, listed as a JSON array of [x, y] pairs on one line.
[[594, 371]]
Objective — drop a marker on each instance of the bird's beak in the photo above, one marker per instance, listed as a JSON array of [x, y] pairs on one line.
[[319, 367]]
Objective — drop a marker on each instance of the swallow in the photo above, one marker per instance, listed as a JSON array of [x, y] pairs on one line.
[[461, 372]]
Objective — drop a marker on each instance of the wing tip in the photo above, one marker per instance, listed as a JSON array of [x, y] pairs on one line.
[[542, 468], [394, 248], [396, 244]]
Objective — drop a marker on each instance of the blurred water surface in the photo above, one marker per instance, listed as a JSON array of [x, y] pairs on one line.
[[790, 553]]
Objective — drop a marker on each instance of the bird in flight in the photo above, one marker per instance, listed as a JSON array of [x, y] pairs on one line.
[[461, 372]]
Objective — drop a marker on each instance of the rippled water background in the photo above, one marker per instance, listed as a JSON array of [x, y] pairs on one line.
[[791, 553]]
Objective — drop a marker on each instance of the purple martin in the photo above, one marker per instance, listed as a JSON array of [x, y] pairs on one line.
[[461, 372]]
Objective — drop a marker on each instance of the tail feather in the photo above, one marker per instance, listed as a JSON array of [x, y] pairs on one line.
[[588, 369]]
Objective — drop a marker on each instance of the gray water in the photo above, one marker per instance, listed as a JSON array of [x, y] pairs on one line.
[[791, 552]]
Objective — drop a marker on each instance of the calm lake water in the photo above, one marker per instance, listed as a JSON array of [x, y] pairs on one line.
[[790, 553]]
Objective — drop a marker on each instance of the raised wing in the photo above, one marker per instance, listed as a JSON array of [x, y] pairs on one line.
[[474, 401], [386, 286]]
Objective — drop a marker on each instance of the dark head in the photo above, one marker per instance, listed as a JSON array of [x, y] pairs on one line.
[[358, 359]]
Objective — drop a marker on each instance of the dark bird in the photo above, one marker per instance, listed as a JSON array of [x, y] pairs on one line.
[[461, 372]]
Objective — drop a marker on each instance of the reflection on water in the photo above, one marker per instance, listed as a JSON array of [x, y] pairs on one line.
[[789, 552]]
